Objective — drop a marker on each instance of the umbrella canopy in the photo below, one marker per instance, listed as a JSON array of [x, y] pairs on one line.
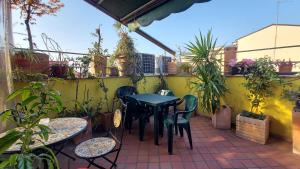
[[137, 13]]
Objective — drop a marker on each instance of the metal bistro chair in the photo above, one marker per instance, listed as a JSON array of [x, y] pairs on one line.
[[181, 120], [122, 93], [101, 147]]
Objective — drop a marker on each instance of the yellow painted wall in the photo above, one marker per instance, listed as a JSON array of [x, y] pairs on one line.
[[279, 109], [67, 89]]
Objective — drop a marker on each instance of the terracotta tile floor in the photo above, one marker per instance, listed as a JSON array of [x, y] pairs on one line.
[[213, 149]]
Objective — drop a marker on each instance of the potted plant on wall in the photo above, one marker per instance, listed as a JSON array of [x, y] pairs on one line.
[[34, 102], [186, 68], [29, 10], [284, 68], [242, 67], [210, 79], [254, 125], [125, 52], [98, 55]]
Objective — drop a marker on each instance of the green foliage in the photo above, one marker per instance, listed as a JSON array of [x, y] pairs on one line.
[[85, 107], [162, 84], [125, 46], [125, 50], [260, 82], [34, 102], [211, 81], [97, 51], [103, 87], [186, 67], [84, 65]]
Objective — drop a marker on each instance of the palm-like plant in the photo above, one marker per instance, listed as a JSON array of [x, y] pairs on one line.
[[211, 82]]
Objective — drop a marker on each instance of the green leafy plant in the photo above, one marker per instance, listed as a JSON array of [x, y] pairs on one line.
[[85, 107], [84, 65], [186, 67], [34, 102], [211, 81], [260, 82], [98, 54], [125, 56]]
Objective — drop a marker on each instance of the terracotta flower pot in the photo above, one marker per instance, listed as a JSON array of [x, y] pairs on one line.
[[253, 129], [106, 120], [285, 68], [222, 118], [87, 134], [60, 71], [124, 66], [172, 68]]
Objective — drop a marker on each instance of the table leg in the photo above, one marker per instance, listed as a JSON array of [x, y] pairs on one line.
[[156, 124], [160, 119]]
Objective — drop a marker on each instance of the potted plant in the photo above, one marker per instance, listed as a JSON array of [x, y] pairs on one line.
[[98, 55], [34, 102], [185, 68], [254, 125], [85, 110], [295, 96], [242, 67], [172, 67], [210, 80], [125, 52], [107, 116], [284, 68], [59, 70]]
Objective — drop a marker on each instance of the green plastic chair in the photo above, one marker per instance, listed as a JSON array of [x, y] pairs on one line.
[[181, 120]]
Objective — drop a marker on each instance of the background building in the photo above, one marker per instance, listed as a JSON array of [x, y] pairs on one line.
[[272, 36]]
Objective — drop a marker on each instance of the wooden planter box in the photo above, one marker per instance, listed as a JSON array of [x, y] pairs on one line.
[[296, 132], [253, 129], [222, 118]]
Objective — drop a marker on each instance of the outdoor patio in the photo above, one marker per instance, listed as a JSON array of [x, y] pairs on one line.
[[212, 149]]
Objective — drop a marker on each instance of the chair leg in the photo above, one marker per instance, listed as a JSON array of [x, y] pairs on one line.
[[130, 124], [180, 131], [188, 131], [176, 129], [170, 138], [141, 128]]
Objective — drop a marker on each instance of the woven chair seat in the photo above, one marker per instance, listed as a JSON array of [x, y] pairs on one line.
[[95, 147]]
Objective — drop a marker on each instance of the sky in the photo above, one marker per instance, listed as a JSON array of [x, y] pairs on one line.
[[72, 26]]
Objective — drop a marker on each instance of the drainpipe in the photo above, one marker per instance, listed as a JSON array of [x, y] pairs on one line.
[[6, 82]]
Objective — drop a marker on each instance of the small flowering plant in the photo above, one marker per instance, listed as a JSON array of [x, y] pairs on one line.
[[241, 67]]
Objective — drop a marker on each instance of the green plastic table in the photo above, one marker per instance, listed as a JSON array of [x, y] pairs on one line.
[[156, 101]]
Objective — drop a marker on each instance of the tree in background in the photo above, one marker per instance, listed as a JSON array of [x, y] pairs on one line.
[[30, 9]]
